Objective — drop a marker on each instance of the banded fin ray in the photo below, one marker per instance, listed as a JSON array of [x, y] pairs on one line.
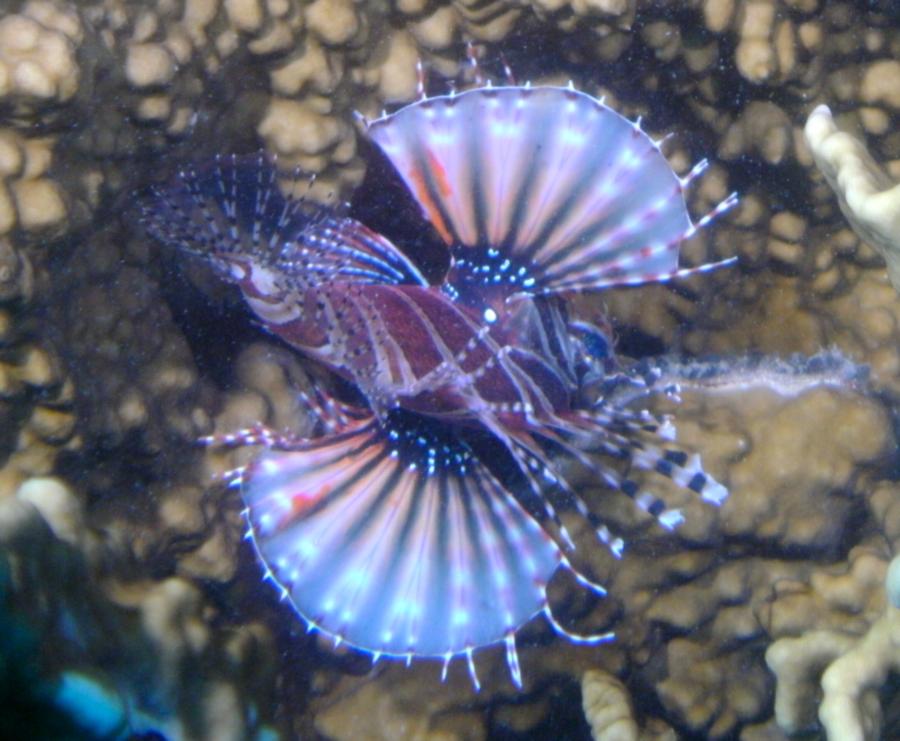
[[587, 438], [397, 540], [558, 182]]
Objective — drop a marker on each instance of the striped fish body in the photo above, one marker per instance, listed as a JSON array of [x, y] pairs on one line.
[[424, 524], [413, 347], [346, 296]]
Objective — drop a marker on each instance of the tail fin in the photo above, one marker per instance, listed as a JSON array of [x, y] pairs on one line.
[[562, 186]]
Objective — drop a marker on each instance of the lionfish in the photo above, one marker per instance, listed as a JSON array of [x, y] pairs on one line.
[[423, 522]]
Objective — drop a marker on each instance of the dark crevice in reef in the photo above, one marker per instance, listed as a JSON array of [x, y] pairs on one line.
[[215, 327], [631, 342], [564, 720], [384, 204]]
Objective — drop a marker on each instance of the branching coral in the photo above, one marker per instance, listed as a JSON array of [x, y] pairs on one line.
[[851, 662], [38, 69], [869, 198], [696, 619], [607, 707]]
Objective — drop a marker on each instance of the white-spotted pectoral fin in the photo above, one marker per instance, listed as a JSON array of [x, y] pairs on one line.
[[562, 185], [398, 541]]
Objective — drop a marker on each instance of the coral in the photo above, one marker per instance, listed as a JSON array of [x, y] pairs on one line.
[[859, 315], [29, 199], [39, 75], [97, 97], [607, 707], [399, 702], [869, 198], [36, 393], [807, 280], [696, 619], [38, 68], [122, 344], [771, 415], [763, 129], [393, 708], [842, 667], [195, 680]]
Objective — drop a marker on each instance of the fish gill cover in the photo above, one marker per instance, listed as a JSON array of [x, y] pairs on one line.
[[423, 521]]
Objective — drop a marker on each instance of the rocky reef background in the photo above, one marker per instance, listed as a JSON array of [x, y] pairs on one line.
[[125, 582]]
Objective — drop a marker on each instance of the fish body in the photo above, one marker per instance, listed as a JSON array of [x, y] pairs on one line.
[[424, 523]]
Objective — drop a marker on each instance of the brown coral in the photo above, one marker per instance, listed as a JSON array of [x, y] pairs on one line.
[[717, 606], [55, 559]]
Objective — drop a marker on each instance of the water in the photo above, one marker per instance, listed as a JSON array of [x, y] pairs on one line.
[[136, 605]]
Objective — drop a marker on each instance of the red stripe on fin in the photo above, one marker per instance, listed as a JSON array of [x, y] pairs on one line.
[[395, 539], [558, 182]]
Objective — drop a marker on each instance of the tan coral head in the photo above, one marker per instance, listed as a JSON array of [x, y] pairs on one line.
[[868, 197]]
